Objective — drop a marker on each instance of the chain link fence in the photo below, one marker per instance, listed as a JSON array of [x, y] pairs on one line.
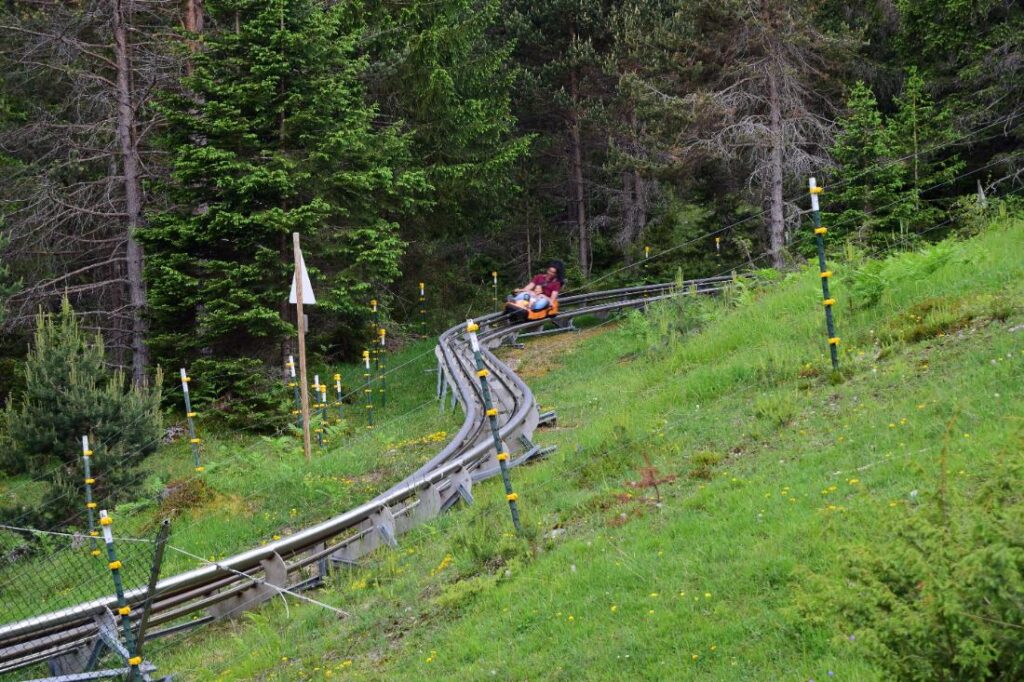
[[43, 572]]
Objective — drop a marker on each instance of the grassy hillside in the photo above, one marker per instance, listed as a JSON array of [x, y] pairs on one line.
[[254, 489], [720, 506]]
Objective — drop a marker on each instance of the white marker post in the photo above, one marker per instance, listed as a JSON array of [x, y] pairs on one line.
[[300, 288]]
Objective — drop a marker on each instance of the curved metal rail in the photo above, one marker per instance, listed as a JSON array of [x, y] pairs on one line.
[[301, 560]]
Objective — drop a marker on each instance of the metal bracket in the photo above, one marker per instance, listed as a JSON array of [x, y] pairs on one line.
[[534, 452], [384, 523], [77, 664], [462, 489], [429, 505], [548, 418], [275, 574]]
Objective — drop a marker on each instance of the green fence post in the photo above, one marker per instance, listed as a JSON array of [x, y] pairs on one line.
[[492, 417], [337, 392], [373, 336], [189, 414], [323, 413], [154, 577], [826, 274], [368, 389], [382, 386], [122, 605], [90, 504], [319, 406], [294, 384]]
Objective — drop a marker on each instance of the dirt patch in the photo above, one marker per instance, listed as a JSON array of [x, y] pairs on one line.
[[373, 477], [184, 494], [544, 354], [193, 495]]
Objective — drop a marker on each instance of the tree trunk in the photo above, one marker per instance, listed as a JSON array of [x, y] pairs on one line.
[[776, 221], [194, 20], [628, 216], [194, 17], [128, 146], [576, 157], [641, 202]]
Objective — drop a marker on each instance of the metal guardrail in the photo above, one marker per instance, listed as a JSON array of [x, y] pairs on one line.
[[303, 559]]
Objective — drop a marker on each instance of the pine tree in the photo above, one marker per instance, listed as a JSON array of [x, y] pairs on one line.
[[869, 178], [272, 136], [70, 392]]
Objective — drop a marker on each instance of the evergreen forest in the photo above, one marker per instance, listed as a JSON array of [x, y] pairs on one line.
[[157, 155]]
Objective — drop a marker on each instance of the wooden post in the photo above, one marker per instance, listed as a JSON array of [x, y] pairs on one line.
[[301, 323]]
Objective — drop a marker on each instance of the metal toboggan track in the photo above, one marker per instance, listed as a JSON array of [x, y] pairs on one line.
[[302, 560]]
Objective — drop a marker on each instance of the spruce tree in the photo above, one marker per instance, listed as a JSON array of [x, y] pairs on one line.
[[443, 68], [271, 136], [922, 134], [869, 179]]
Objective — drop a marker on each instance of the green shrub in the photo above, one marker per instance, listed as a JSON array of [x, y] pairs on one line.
[[778, 409], [243, 393], [938, 596], [870, 281], [70, 392]]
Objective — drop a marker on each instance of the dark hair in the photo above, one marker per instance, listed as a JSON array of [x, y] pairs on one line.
[[559, 267]]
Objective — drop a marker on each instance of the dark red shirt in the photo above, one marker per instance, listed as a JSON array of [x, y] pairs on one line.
[[549, 285]]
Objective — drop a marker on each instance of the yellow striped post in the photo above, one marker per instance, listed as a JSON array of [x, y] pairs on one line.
[[368, 389], [294, 384], [423, 308], [319, 404], [189, 415], [382, 386], [492, 418], [337, 392], [826, 274], [90, 504], [115, 566]]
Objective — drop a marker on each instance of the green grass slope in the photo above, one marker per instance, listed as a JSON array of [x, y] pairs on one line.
[[254, 489], [710, 498]]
